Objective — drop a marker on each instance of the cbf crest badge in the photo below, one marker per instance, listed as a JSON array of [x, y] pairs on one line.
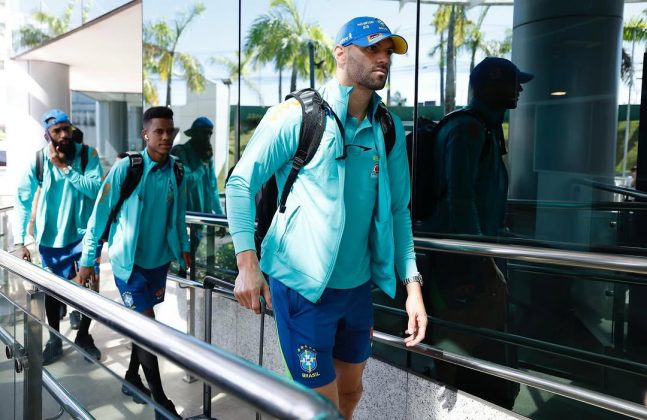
[[308, 361]]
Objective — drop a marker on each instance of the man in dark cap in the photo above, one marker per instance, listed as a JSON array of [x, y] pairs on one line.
[[470, 200], [197, 157], [69, 176]]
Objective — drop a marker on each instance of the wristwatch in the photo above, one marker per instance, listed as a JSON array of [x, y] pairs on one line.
[[66, 170], [416, 278]]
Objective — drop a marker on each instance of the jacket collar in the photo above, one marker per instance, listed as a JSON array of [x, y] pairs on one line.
[[492, 117], [338, 95], [151, 165]]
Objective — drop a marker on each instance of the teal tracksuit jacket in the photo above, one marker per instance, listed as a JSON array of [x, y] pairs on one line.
[[301, 246]]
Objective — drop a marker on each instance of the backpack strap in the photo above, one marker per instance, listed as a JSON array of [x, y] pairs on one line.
[[388, 126], [178, 170], [314, 110], [133, 176], [40, 162], [85, 151]]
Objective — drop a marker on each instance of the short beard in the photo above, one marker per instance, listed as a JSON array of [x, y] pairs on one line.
[[362, 76]]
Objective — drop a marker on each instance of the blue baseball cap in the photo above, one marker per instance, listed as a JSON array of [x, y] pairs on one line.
[[497, 70], [199, 123], [53, 117], [364, 31]]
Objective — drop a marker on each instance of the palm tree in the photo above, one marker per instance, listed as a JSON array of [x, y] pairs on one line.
[[231, 64], [474, 40], [161, 55], [48, 26], [452, 20], [281, 37], [633, 31]]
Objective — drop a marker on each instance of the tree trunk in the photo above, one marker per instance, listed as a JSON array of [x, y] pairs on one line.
[[168, 83], [442, 69], [280, 84], [472, 60], [450, 88], [293, 78]]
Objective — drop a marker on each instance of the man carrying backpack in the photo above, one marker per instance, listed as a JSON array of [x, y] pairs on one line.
[[343, 225], [146, 230], [470, 199], [69, 176]]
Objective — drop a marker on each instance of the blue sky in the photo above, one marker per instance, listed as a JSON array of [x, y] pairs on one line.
[[216, 34]]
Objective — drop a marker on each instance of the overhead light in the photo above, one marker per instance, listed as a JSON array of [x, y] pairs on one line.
[[558, 93]]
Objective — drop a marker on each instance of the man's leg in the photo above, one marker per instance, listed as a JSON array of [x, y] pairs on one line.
[[349, 386]]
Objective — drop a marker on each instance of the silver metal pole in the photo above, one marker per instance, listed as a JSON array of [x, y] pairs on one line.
[[33, 382], [577, 393]]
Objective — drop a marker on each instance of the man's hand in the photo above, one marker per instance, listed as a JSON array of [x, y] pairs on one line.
[[86, 277], [417, 326], [186, 256], [250, 282], [57, 156], [23, 252]]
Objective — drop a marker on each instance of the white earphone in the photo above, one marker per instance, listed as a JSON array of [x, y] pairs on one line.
[[146, 137]]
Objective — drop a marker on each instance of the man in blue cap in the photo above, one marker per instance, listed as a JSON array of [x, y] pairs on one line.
[[471, 198], [345, 227], [69, 176]]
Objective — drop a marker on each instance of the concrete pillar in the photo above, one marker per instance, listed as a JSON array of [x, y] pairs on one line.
[[112, 128], [35, 87], [559, 143]]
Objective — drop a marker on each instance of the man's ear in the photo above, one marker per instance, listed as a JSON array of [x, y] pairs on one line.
[[340, 54], [144, 135]]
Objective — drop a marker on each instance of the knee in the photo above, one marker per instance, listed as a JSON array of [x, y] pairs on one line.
[[351, 397]]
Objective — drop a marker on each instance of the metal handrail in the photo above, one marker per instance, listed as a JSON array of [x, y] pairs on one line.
[[233, 374], [588, 396], [570, 391], [600, 261]]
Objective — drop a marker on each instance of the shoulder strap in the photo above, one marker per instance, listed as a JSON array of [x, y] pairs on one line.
[[314, 110], [178, 170], [388, 126], [133, 176], [40, 161], [85, 151]]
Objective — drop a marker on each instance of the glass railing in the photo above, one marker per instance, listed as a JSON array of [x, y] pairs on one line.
[[584, 342], [78, 385]]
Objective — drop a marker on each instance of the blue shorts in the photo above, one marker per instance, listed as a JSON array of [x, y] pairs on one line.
[[61, 261], [339, 326], [144, 289]]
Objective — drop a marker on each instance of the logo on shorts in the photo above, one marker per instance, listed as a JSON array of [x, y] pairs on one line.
[[308, 361], [128, 300]]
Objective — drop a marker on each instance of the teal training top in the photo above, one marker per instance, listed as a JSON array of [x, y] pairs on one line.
[[157, 201], [353, 265], [201, 183], [65, 202], [302, 244], [138, 225]]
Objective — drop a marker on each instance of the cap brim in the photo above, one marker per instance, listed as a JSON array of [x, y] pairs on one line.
[[524, 77], [400, 46]]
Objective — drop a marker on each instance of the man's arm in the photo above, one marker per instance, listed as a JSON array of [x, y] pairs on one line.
[[274, 142], [24, 199], [405, 257], [107, 199], [89, 182]]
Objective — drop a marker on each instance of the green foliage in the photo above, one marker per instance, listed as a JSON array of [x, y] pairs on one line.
[[281, 37], [160, 56], [632, 149]]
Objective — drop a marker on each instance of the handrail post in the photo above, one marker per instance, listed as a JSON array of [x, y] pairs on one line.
[[190, 306], [33, 381], [206, 388], [4, 234]]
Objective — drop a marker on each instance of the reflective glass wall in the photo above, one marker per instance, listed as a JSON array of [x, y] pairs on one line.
[[564, 177]]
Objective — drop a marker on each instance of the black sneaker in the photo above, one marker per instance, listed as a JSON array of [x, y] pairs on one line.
[[170, 407], [136, 382], [62, 311], [75, 320], [87, 343], [53, 351]]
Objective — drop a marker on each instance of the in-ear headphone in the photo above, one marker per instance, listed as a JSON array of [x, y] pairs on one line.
[[146, 137]]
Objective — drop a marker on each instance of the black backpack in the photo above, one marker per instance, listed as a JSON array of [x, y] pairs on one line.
[[40, 162], [315, 110], [428, 187], [133, 176]]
